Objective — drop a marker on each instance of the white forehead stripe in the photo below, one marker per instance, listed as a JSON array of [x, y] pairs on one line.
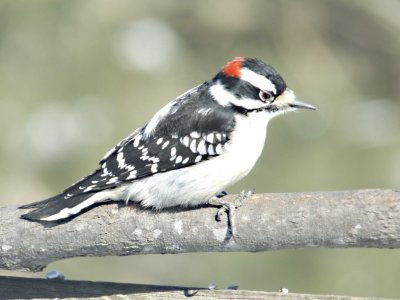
[[257, 80], [225, 98]]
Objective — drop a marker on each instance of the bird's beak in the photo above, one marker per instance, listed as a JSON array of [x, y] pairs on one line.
[[298, 104], [288, 98]]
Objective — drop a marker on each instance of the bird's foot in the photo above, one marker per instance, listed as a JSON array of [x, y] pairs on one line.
[[229, 207]]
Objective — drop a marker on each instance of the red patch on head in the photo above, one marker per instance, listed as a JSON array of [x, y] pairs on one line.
[[232, 68]]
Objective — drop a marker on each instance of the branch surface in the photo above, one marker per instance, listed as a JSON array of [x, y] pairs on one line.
[[362, 218], [30, 288]]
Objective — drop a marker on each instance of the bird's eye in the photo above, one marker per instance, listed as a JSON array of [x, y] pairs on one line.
[[266, 96]]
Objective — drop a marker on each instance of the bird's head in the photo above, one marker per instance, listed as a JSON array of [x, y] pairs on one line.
[[251, 85]]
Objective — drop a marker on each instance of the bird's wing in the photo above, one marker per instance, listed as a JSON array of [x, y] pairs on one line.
[[191, 135]]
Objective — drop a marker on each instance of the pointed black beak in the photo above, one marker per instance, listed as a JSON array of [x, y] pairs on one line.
[[288, 99], [301, 105]]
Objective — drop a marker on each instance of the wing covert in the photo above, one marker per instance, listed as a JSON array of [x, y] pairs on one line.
[[191, 135]]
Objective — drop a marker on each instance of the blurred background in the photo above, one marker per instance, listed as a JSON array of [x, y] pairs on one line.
[[78, 76]]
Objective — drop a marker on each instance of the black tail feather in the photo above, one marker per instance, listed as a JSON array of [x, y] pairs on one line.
[[54, 205], [38, 204]]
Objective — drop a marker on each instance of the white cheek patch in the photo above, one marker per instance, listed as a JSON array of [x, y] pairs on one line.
[[257, 80], [225, 98]]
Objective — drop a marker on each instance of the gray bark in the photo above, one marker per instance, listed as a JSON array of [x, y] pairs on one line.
[[363, 218], [29, 288]]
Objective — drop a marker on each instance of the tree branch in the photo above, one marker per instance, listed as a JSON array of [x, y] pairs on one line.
[[30, 288], [363, 218]]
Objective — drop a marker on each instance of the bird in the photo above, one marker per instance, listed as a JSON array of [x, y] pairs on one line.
[[193, 148]]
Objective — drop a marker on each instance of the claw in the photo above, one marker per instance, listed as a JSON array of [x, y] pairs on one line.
[[219, 214], [228, 207], [221, 194]]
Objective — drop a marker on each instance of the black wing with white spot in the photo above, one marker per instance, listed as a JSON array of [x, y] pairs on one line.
[[185, 135]]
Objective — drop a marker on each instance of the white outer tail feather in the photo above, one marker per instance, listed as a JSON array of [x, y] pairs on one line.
[[99, 197]]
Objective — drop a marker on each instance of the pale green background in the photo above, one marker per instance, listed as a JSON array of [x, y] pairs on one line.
[[77, 76]]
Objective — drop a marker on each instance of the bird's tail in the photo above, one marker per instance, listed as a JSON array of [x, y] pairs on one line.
[[60, 207]]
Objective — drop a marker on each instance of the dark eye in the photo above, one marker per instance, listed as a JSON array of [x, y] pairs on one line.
[[266, 96]]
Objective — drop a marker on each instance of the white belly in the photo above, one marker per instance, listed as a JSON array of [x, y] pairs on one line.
[[196, 184]]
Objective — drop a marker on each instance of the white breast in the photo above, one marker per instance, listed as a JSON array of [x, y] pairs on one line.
[[196, 184]]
